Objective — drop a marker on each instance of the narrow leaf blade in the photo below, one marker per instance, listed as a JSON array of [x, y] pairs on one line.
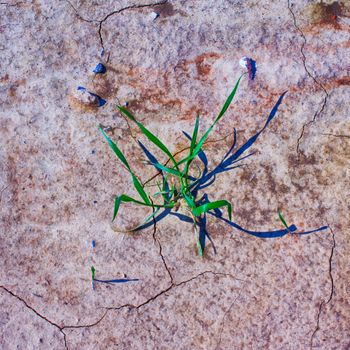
[[282, 219], [228, 101], [115, 149], [166, 169], [222, 112], [117, 202], [213, 205], [148, 134], [125, 198], [194, 135], [140, 190]]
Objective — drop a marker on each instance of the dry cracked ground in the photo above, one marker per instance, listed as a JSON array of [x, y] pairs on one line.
[[59, 178]]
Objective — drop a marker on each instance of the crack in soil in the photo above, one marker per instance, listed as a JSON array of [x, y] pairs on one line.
[[60, 328], [171, 286], [100, 22], [130, 306], [37, 313], [156, 240], [79, 15], [130, 7], [325, 302], [8, 4], [224, 317], [87, 325], [324, 102], [337, 135]]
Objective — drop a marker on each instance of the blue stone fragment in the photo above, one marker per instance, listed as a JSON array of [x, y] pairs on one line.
[[100, 69], [101, 101]]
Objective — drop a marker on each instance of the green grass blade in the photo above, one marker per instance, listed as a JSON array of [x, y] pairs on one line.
[[189, 201], [194, 135], [222, 112], [148, 134], [117, 202], [206, 134], [166, 169], [229, 100], [144, 221], [199, 248], [282, 219], [166, 194], [125, 198], [120, 155], [116, 150], [213, 205], [192, 145], [140, 190], [161, 193]]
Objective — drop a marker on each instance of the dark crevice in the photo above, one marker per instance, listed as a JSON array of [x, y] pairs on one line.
[[224, 318], [37, 313], [79, 15], [60, 328], [335, 135], [157, 241], [65, 340], [170, 287], [130, 7], [316, 81], [101, 21], [87, 325], [331, 293], [8, 4]]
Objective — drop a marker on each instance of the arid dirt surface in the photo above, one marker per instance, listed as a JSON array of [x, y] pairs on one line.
[[58, 177]]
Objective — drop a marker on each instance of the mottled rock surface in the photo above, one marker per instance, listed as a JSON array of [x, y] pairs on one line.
[[58, 178]]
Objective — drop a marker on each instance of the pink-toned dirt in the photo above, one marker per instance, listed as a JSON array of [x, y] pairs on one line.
[[58, 178]]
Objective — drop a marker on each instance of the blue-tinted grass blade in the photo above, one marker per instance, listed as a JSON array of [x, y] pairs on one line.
[[120, 280]]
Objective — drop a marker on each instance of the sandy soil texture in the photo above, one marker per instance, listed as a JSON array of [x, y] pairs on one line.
[[171, 60]]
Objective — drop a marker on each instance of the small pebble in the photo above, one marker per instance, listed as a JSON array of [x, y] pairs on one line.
[[243, 62], [100, 69], [85, 97], [250, 65], [89, 98], [154, 15], [107, 128]]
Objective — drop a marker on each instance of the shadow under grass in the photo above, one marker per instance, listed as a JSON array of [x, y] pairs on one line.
[[208, 177]]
